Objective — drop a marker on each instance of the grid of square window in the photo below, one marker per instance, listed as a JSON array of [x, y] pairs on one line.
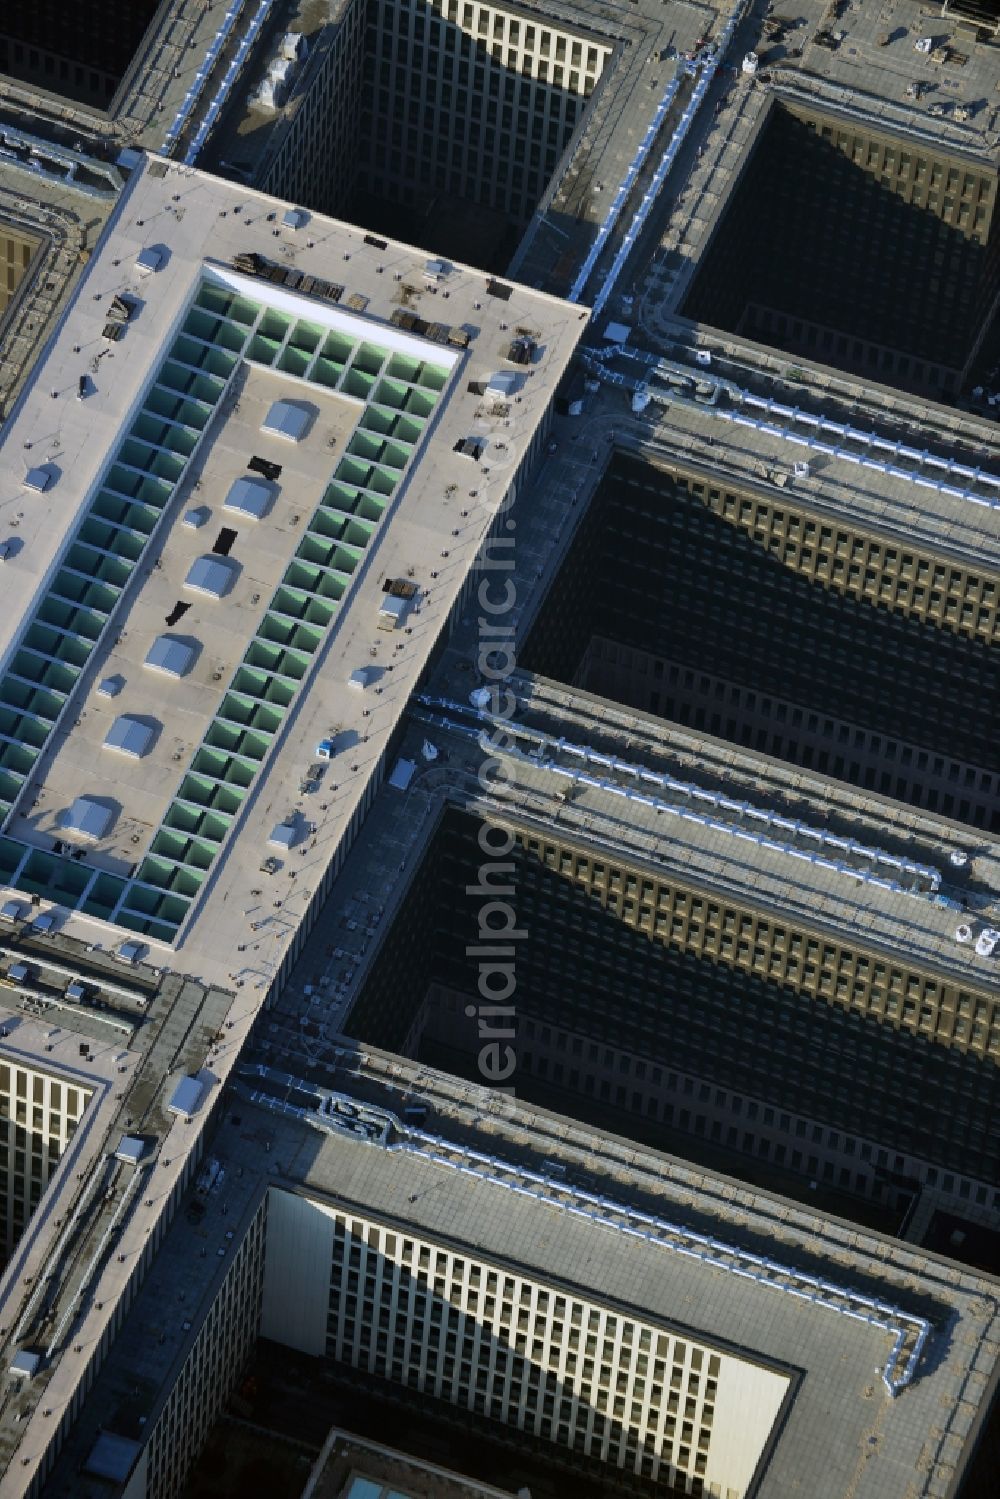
[[516, 1351]]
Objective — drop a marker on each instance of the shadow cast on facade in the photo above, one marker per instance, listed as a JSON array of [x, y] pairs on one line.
[[735, 637]]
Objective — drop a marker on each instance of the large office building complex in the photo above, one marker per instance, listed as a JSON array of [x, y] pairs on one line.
[[661, 1353]]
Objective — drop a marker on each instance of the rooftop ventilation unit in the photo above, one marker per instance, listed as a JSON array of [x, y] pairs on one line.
[[129, 736], [390, 612], [284, 836], [521, 351], [501, 386], [287, 419], [130, 1150], [250, 497], [149, 260], [986, 942], [39, 479], [295, 218], [186, 1097], [88, 818], [212, 576], [169, 655], [130, 952], [294, 46], [402, 774]]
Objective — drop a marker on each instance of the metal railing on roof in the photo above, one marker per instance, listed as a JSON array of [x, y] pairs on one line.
[[910, 1332], [704, 67], [925, 874], [855, 445], [212, 56]]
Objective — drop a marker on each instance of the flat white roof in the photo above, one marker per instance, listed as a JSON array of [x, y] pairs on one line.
[[179, 413]]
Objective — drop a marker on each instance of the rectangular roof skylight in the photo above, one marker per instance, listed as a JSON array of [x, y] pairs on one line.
[[129, 736], [250, 497]]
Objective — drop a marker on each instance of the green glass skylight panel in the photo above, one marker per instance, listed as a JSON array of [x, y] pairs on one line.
[[325, 372], [141, 478], [294, 361], [263, 350], [306, 336], [338, 347]]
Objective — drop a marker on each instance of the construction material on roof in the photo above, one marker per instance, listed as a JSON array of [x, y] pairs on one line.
[[112, 1457]]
